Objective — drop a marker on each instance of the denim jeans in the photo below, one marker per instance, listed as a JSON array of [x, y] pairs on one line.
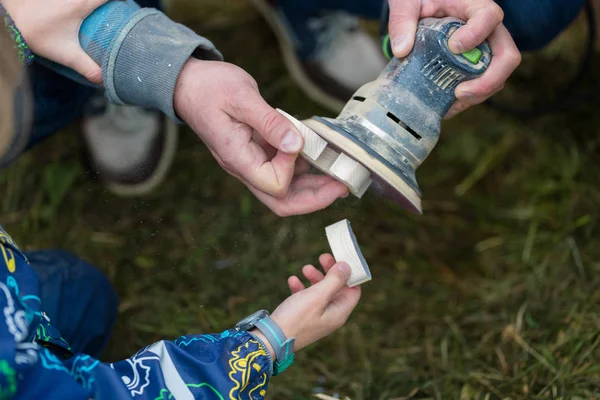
[[532, 23], [78, 299]]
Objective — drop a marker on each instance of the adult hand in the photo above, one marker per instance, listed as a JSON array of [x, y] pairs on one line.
[[51, 30], [483, 21], [249, 139], [315, 312]]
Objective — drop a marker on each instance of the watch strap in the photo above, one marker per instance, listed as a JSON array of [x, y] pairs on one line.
[[283, 347], [280, 366]]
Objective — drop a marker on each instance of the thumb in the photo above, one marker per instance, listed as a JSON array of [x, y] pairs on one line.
[[335, 280], [404, 17], [273, 127]]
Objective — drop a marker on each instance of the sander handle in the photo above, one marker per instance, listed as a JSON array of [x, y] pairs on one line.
[[386, 43], [473, 55], [431, 71]]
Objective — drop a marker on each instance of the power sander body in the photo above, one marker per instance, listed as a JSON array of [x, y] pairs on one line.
[[391, 125]]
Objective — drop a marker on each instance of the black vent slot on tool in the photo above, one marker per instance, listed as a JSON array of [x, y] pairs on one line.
[[442, 74], [359, 98], [408, 128]]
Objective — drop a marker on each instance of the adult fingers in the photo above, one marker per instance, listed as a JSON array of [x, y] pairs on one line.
[[482, 18], [250, 108], [302, 167], [307, 194], [242, 155], [458, 107], [270, 151], [271, 176], [313, 182], [404, 17], [505, 59]]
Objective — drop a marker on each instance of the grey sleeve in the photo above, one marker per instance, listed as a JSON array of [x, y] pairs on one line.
[[147, 57], [141, 52]]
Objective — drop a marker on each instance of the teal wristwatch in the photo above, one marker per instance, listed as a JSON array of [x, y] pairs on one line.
[[283, 347]]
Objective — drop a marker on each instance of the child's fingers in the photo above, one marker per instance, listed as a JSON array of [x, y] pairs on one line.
[[334, 281], [343, 303], [312, 274], [295, 284], [347, 298], [327, 261]]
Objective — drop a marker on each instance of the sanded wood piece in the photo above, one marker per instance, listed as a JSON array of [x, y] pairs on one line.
[[349, 170], [335, 164], [313, 143], [376, 167], [345, 248]]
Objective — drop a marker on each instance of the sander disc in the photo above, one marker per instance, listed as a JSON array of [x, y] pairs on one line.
[[390, 184]]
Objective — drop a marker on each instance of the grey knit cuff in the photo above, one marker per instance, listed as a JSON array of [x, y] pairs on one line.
[[147, 58]]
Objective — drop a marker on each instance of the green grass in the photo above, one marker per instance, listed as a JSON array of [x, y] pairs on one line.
[[494, 293]]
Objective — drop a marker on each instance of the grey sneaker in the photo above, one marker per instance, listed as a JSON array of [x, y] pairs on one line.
[[329, 55], [128, 148]]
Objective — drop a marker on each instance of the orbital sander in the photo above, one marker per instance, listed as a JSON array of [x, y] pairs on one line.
[[390, 125]]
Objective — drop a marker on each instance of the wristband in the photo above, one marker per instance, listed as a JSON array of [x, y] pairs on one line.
[[283, 347]]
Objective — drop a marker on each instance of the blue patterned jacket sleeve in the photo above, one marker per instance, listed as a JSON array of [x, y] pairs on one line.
[[230, 365]]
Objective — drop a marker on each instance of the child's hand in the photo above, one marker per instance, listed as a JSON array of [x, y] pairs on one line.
[[315, 312], [249, 139]]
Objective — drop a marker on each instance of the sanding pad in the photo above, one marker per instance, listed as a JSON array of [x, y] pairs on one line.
[[343, 159], [327, 159], [386, 180]]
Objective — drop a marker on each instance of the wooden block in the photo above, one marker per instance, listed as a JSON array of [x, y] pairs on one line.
[[344, 169], [337, 165], [357, 177], [313, 143], [326, 160], [345, 248]]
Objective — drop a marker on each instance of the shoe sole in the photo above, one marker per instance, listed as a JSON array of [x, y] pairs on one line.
[[291, 60], [148, 185]]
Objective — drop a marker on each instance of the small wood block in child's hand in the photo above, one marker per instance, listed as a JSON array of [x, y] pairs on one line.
[[345, 248]]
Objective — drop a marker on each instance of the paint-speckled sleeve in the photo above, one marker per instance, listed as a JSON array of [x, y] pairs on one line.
[[25, 54], [141, 52]]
